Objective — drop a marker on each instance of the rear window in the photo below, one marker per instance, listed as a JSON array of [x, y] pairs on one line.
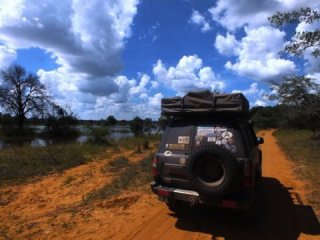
[[178, 137], [215, 134], [187, 135]]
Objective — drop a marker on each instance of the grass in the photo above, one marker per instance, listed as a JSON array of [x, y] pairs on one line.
[[131, 176], [304, 151], [18, 164], [22, 163]]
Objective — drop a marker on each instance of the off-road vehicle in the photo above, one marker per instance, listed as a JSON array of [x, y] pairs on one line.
[[208, 153]]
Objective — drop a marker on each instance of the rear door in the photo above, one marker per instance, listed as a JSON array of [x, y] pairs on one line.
[[174, 151]]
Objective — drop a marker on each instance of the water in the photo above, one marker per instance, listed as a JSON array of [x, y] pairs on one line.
[[115, 133]]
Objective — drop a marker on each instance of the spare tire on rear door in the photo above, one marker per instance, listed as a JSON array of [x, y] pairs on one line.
[[212, 170]]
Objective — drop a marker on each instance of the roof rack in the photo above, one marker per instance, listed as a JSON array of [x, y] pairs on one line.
[[205, 102]]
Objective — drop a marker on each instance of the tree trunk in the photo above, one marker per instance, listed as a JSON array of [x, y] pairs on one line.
[[21, 120]]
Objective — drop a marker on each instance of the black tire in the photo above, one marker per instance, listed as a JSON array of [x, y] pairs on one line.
[[212, 170]]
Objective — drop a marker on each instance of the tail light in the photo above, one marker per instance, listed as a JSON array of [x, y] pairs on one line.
[[154, 166], [247, 171]]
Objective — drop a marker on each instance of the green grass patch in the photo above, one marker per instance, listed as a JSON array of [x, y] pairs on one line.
[[17, 164], [132, 176], [304, 151]]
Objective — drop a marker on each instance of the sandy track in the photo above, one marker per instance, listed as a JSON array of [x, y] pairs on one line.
[[50, 209]]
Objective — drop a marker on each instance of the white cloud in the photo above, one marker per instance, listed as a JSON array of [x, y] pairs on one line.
[[315, 76], [257, 96], [7, 56], [199, 20], [72, 33], [257, 57], [188, 75], [155, 101], [312, 64], [233, 14], [260, 103], [227, 45], [85, 38]]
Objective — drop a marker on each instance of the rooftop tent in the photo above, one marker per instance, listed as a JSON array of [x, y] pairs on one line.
[[205, 102]]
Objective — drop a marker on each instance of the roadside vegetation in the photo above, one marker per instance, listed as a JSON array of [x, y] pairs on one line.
[[18, 164], [304, 151]]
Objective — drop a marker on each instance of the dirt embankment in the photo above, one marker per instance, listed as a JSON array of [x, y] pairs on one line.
[[52, 209]]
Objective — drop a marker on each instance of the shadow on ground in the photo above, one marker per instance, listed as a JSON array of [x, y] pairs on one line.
[[282, 215]]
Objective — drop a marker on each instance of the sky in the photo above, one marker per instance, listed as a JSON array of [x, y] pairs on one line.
[[120, 57]]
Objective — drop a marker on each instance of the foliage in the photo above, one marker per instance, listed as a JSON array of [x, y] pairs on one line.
[[301, 95], [267, 117], [147, 125], [111, 120], [301, 40], [136, 126], [22, 94], [61, 122], [98, 135]]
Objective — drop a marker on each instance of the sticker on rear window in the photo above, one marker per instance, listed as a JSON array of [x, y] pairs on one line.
[[215, 135], [205, 131], [226, 135], [212, 139], [183, 139]]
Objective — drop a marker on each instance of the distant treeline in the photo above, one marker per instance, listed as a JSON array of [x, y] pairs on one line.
[[283, 116]]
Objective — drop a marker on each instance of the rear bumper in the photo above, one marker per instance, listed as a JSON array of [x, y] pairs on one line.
[[192, 197]]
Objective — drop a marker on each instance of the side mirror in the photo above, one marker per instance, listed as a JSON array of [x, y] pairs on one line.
[[260, 140]]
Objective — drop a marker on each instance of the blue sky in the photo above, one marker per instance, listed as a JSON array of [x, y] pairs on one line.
[[121, 57]]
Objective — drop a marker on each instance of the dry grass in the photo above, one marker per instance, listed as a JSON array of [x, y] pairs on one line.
[[305, 152]]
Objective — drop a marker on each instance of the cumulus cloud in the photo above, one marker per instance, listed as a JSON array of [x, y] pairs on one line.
[[227, 45], [234, 14], [189, 74], [257, 52], [7, 56], [257, 55], [260, 103], [312, 64], [257, 96], [199, 20], [85, 39]]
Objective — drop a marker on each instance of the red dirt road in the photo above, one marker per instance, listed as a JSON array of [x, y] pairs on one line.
[[50, 209]]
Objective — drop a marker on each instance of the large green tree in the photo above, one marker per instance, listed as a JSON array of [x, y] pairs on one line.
[[21, 93]]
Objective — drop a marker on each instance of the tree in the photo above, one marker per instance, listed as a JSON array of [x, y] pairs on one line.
[[136, 126], [302, 96], [21, 94], [61, 122], [147, 125], [301, 40], [111, 120]]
